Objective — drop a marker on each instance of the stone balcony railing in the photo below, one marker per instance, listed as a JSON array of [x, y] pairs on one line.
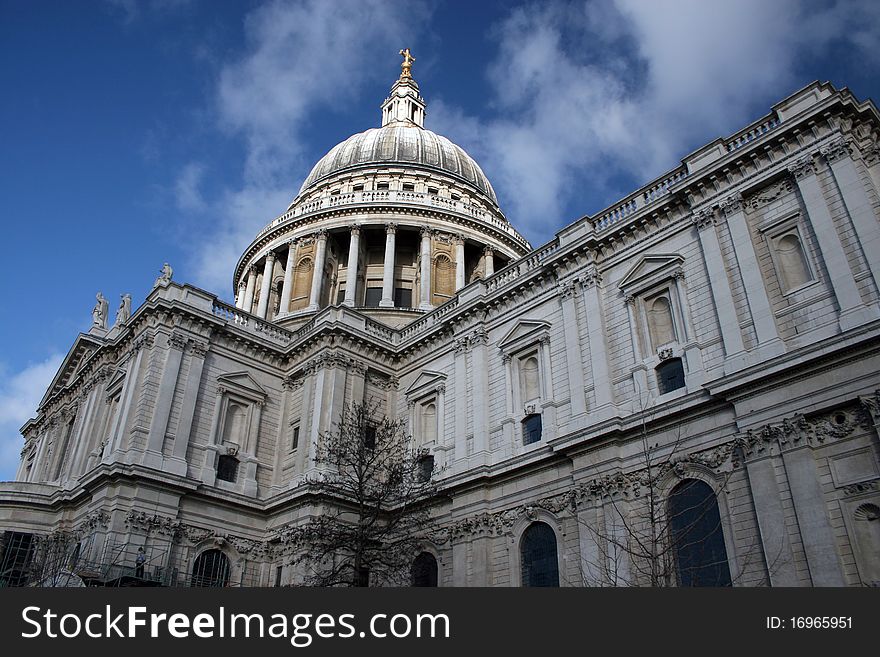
[[432, 201]]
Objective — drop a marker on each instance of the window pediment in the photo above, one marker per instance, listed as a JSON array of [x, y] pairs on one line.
[[242, 384], [651, 269], [526, 332], [425, 382]]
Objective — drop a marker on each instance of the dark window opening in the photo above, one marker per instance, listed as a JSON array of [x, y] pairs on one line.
[[335, 192], [402, 297], [294, 441], [363, 576], [433, 190], [372, 297], [670, 375], [540, 566], [424, 570], [370, 437], [409, 187], [358, 188], [456, 197], [382, 186], [227, 467], [278, 571], [531, 427], [425, 467], [697, 537], [211, 569]]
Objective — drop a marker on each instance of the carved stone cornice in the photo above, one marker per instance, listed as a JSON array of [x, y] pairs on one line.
[[871, 404], [836, 150], [871, 154], [803, 168]]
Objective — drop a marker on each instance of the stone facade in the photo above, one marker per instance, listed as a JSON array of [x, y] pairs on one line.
[[720, 324]]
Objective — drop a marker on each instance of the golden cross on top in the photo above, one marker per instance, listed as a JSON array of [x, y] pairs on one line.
[[406, 66]]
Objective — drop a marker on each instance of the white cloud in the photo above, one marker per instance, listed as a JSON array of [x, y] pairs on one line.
[[20, 393], [187, 194], [586, 92], [302, 58]]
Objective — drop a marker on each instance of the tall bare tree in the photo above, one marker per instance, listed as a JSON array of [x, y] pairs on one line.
[[376, 488]]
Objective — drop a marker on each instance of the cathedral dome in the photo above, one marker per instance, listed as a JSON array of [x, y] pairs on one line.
[[404, 143]]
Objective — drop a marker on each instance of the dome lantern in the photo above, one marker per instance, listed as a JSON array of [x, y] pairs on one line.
[[404, 105]]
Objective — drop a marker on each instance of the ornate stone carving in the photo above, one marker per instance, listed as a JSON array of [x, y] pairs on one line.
[[732, 204], [665, 353], [871, 154], [803, 168], [567, 289], [704, 218], [836, 150], [862, 487], [165, 275], [591, 278], [99, 312], [177, 341], [769, 194], [390, 228]]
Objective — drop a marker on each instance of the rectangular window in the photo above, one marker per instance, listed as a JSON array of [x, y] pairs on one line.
[[409, 187], [531, 425], [402, 297], [294, 440], [373, 297], [358, 188], [227, 468], [426, 468], [370, 437], [382, 186], [278, 571], [340, 295]]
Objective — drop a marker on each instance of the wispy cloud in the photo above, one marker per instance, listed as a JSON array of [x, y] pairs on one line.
[[20, 392], [586, 93], [299, 60], [187, 192]]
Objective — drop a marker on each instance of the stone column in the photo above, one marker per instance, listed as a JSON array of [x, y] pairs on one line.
[[459, 263], [177, 463], [820, 544], [351, 271], [249, 292], [388, 267], [460, 387], [769, 342], [287, 286], [602, 391], [425, 293], [265, 288], [318, 269], [731, 336], [488, 262], [480, 392], [858, 205], [852, 310], [573, 351], [242, 291], [639, 373], [162, 407]]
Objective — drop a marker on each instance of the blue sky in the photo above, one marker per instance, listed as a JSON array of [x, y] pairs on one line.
[[139, 132]]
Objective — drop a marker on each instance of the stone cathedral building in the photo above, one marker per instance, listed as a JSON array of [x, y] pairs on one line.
[[719, 324]]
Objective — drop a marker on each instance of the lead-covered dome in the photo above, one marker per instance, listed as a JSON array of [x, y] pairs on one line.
[[405, 143]]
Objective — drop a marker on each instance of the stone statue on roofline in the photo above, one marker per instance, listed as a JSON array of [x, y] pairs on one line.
[[124, 310], [99, 312], [164, 276]]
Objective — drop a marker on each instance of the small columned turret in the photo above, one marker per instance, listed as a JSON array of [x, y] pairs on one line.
[[405, 104]]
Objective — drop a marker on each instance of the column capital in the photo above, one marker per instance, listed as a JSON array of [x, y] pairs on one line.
[[426, 231], [704, 218], [458, 239], [253, 270], [871, 154], [242, 284], [732, 204], [270, 256], [803, 168], [488, 251], [356, 229], [321, 235], [390, 228], [835, 150], [292, 242], [591, 278]]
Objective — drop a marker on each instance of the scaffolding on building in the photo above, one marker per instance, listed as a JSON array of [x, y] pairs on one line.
[[64, 560]]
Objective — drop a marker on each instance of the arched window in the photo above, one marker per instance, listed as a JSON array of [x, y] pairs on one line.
[[211, 569], [429, 423], [529, 383], [670, 375], [233, 427], [540, 565], [696, 535], [867, 530], [424, 570], [302, 284], [792, 262], [660, 322], [444, 279]]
